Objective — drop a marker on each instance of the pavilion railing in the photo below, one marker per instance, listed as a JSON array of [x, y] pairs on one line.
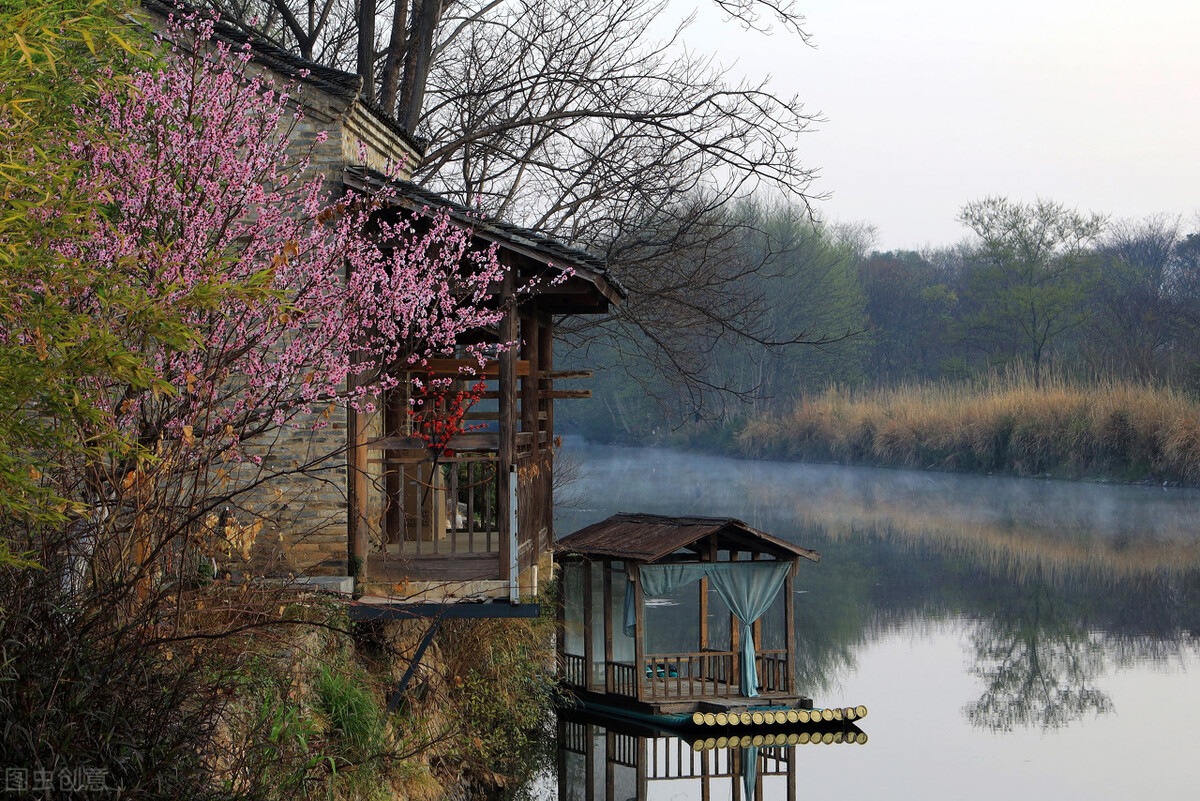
[[705, 674], [620, 678], [710, 674], [573, 669]]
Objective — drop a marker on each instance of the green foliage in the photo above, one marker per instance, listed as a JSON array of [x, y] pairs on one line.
[[503, 689], [53, 56], [353, 711], [1033, 276]]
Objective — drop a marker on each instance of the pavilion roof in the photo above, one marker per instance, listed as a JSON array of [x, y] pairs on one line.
[[649, 538]]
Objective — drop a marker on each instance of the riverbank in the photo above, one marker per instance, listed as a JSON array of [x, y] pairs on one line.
[[1004, 424]]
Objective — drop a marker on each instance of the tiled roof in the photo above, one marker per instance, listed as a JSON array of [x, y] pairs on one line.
[[553, 249]]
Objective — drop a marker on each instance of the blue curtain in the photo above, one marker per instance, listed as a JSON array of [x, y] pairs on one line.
[[747, 588], [750, 771]]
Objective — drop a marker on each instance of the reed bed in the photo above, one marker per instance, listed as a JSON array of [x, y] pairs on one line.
[[1001, 423]]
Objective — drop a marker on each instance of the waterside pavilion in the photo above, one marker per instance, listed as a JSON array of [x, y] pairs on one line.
[[611, 569]]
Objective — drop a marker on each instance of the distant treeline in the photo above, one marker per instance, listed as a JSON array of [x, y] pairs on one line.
[[1037, 288]]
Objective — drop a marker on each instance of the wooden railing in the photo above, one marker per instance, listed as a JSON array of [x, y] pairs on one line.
[[711, 674], [691, 675], [772, 669], [573, 669], [620, 678], [441, 507]]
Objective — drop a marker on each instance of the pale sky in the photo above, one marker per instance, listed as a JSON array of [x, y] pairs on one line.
[[929, 104]]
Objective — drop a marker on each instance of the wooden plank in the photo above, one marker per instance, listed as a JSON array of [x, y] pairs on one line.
[[413, 567], [566, 394], [474, 441], [558, 394], [451, 368]]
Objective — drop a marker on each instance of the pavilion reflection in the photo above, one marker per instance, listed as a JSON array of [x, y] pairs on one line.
[[605, 759]]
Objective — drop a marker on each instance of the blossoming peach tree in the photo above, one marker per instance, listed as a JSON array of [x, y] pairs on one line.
[[293, 300]]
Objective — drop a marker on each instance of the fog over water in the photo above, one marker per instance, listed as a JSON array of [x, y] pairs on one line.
[[1012, 638]]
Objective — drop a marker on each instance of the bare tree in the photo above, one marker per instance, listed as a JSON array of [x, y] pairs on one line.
[[593, 122]]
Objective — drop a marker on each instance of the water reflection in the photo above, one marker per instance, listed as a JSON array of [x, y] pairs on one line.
[[602, 759], [1039, 666], [1058, 584]]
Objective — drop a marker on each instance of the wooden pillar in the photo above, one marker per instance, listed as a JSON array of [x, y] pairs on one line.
[[507, 414], [589, 762], [589, 654], [356, 492], [546, 365], [529, 383], [395, 424], [793, 755], [560, 616], [735, 637], [639, 632], [608, 625], [757, 627], [643, 783], [789, 625]]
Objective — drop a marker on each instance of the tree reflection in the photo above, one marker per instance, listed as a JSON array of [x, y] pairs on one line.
[[1039, 665]]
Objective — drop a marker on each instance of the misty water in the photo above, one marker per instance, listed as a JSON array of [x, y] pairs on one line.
[[1012, 638]]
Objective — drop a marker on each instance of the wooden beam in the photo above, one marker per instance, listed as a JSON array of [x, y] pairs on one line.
[[453, 368], [555, 375], [566, 394], [482, 441]]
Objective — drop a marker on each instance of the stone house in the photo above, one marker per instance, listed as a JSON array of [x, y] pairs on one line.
[[379, 506]]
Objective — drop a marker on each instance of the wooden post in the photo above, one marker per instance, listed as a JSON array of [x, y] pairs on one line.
[[395, 424], [529, 383], [789, 624], [546, 365], [608, 624], [643, 783], [791, 773], [507, 414], [589, 761], [560, 617], [356, 491], [757, 627], [639, 632], [735, 639], [588, 650]]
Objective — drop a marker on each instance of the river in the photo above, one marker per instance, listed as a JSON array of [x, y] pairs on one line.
[[1012, 638]]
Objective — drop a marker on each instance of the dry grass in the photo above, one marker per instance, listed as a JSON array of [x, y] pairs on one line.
[[1002, 423]]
